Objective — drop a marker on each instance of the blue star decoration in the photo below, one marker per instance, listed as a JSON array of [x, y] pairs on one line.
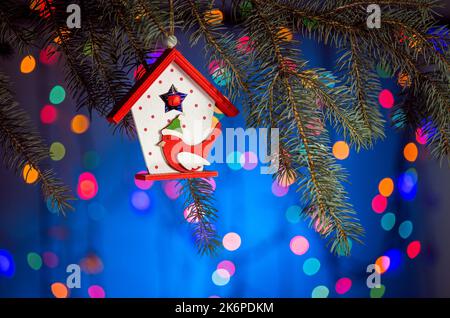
[[173, 99]]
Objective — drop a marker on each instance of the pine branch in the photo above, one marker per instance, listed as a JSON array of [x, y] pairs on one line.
[[199, 201], [21, 145], [324, 192], [221, 47]]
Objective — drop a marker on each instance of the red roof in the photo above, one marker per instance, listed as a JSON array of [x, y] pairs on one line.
[[169, 56]]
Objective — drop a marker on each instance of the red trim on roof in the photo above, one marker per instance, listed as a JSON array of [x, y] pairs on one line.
[[169, 56]]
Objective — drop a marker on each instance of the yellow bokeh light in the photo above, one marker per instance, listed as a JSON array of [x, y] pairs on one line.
[[80, 124], [341, 150], [30, 175], [404, 80], [383, 263], [285, 34], [28, 64], [411, 152], [59, 290], [64, 34], [214, 16], [386, 187]]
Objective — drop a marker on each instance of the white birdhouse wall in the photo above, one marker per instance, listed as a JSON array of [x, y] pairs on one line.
[[150, 115]]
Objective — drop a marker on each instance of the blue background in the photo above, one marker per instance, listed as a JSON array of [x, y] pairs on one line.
[[152, 253]]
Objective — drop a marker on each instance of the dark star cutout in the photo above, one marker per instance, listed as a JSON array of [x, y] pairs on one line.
[[173, 99]]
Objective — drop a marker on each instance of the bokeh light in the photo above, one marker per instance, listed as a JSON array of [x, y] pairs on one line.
[[293, 214], [249, 160], [96, 211], [413, 249], [311, 266], [34, 261], [228, 266], [404, 80], [91, 159], [383, 263], [299, 245], [191, 218], [213, 17], [57, 151], [343, 285], [388, 221], [328, 79], [57, 95], [405, 229], [341, 150], [410, 152], [244, 45], [320, 292], [153, 55], [379, 203], [172, 189], [285, 34], [87, 186], [140, 200], [234, 160], [49, 55], [245, 8], [7, 265], [49, 114], [386, 99], [425, 133], [395, 258], [96, 291], [231, 241], [59, 290], [377, 292], [91, 264], [219, 72], [407, 184], [52, 206], [279, 190], [143, 184], [28, 64], [30, 175], [386, 187], [211, 182], [286, 180], [79, 124], [220, 277], [50, 259]]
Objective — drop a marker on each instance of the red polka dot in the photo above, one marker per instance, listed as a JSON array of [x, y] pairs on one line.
[[140, 107], [181, 78], [160, 82], [156, 167], [204, 117], [148, 96], [171, 69], [191, 91], [150, 153], [168, 120], [184, 126], [209, 105], [145, 129], [196, 105]]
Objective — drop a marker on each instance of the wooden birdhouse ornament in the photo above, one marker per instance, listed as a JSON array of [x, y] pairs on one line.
[[173, 107]]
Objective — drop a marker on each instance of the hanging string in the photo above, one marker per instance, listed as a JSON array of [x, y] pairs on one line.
[[171, 39], [172, 19]]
